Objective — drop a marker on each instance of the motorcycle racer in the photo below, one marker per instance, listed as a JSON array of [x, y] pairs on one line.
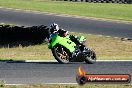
[[68, 48], [54, 28]]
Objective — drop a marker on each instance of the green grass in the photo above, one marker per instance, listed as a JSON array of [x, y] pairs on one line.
[[105, 48], [74, 86], [99, 10]]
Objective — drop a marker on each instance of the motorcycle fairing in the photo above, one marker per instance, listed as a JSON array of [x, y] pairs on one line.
[[64, 41]]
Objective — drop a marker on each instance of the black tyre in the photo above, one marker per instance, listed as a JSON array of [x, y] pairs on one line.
[[91, 58], [61, 54]]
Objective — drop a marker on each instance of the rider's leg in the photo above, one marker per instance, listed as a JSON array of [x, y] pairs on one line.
[[81, 46], [72, 37]]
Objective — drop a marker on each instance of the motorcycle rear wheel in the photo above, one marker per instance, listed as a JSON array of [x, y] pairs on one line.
[[91, 58]]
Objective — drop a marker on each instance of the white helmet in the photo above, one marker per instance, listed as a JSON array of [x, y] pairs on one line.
[[54, 27]]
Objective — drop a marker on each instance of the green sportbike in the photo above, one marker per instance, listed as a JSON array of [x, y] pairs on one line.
[[64, 50]]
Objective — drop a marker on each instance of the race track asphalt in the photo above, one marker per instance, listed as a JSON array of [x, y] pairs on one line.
[[13, 72], [100, 27]]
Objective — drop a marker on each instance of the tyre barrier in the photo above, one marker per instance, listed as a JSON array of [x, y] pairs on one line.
[[19, 35]]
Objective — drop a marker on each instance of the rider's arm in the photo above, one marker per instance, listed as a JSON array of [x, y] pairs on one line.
[[62, 32]]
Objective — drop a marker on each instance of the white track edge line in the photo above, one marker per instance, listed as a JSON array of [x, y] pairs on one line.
[[44, 84], [56, 61]]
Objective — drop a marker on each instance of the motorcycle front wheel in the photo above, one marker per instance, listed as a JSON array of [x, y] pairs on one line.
[[61, 54]]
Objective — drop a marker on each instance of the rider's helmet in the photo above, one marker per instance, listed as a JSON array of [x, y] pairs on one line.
[[54, 28]]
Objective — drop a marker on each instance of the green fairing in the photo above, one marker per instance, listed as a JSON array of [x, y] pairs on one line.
[[64, 41]]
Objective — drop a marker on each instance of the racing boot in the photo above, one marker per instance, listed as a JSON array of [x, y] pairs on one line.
[[82, 47]]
